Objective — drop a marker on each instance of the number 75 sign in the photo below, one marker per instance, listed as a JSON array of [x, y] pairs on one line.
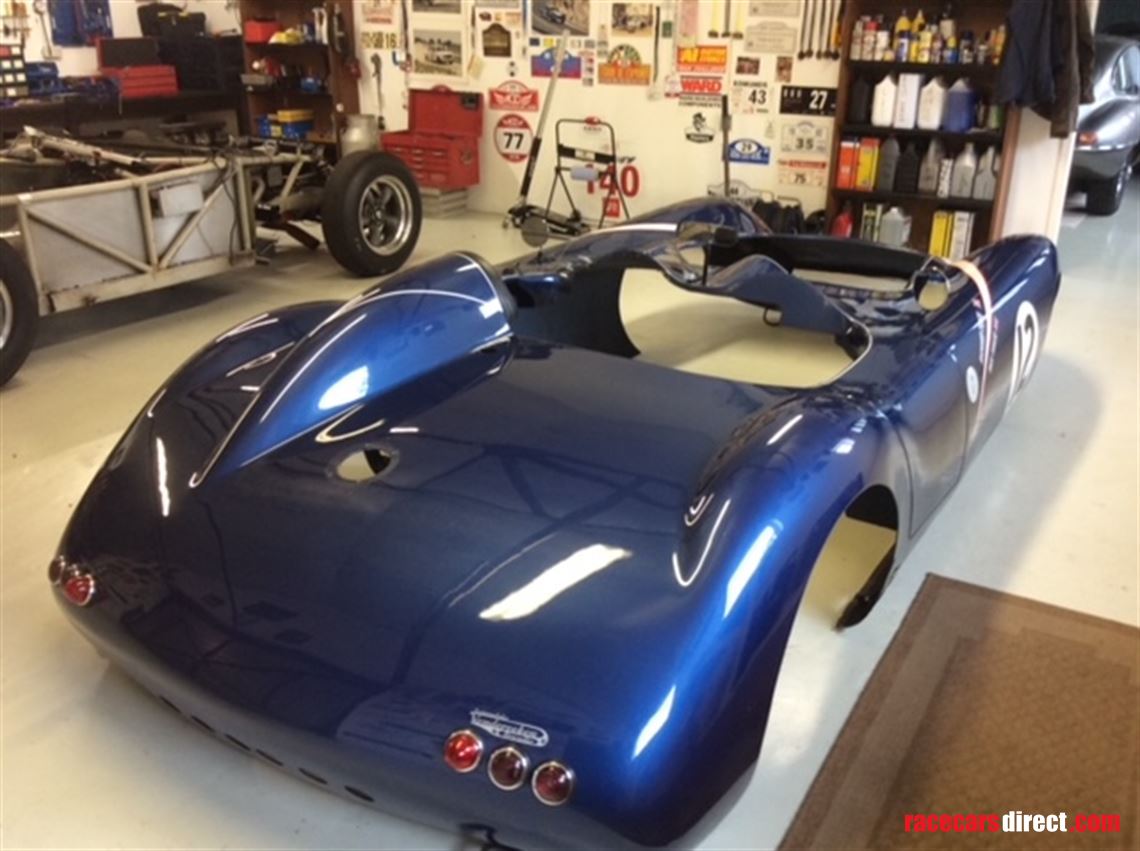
[[513, 137]]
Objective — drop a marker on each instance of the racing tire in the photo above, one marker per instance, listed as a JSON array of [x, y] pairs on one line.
[[1104, 196], [19, 311], [371, 213]]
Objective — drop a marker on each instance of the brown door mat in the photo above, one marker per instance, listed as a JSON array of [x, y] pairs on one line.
[[985, 703]]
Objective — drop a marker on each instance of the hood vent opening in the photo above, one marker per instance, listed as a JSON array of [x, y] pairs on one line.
[[365, 464]]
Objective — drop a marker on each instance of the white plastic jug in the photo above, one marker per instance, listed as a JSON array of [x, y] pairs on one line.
[[932, 104], [883, 102]]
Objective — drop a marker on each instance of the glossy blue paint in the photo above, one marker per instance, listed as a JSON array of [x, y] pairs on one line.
[[605, 550]]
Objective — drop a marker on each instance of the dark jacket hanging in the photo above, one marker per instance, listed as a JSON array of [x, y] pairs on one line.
[[1048, 62]]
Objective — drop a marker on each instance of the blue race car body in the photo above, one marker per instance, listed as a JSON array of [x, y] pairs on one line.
[[342, 533]]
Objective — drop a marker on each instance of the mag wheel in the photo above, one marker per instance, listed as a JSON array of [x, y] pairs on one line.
[[371, 213], [1104, 197], [19, 311]]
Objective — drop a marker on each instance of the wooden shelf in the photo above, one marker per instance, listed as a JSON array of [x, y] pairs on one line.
[[985, 137], [979, 16], [915, 197], [329, 107], [971, 70]]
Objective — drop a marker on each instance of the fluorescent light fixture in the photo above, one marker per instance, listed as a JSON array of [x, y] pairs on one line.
[[785, 428], [349, 388], [747, 568], [160, 463], [655, 723], [553, 581]]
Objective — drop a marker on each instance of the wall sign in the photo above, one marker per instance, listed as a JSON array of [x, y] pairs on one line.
[[623, 66], [497, 41], [513, 96], [774, 8], [699, 130], [749, 151], [703, 59], [750, 97], [805, 137], [803, 100], [770, 37], [542, 65], [513, 137], [703, 92], [748, 65], [803, 172]]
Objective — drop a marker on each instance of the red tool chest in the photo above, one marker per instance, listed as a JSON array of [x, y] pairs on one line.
[[135, 65], [441, 145]]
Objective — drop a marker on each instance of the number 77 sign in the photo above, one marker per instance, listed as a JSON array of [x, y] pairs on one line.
[[513, 137]]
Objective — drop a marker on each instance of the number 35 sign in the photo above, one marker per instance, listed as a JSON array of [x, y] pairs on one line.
[[513, 137]]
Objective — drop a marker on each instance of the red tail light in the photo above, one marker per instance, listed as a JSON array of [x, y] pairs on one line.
[[507, 768], [552, 783], [79, 588], [463, 751]]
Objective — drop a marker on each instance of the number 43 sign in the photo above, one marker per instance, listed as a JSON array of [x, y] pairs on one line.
[[513, 137]]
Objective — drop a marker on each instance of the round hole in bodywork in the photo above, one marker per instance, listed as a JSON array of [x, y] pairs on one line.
[[365, 464]]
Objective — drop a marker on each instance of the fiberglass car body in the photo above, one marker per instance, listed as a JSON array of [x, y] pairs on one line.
[[451, 548]]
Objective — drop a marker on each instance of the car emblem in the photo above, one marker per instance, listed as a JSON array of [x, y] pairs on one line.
[[512, 731]]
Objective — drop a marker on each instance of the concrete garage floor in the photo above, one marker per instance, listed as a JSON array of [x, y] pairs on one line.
[[90, 761]]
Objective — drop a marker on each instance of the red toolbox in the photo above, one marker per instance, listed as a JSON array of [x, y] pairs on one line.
[[441, 145], [144, 81], [134, 64]]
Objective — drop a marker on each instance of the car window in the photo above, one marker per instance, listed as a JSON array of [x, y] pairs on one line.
[[1126, 71], [1130, 62]]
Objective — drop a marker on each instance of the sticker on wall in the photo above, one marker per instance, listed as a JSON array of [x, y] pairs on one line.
[[750, 97], [542, 65], [806, 137], [774, 8], [513, 137], [623, 66], [803, 172], [703, 59], [513, 96], [783, 69], [444, 6], [749, 151], [770, 37], [379, 11], [373, 40], [552, 17], [804, 100], [748, 66], [438, 52], [632, 19], [703, 92], [497, 41], [688, 22], [699, 130]]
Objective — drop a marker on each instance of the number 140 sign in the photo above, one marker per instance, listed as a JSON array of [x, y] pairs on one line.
[[513, 137]]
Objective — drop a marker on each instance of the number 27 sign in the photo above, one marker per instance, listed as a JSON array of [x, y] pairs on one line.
[[513, 137]]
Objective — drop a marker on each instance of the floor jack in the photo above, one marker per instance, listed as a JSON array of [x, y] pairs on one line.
[[522, 210]]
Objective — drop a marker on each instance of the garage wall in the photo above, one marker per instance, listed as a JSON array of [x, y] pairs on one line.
[[652, 132], [81, 61]]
